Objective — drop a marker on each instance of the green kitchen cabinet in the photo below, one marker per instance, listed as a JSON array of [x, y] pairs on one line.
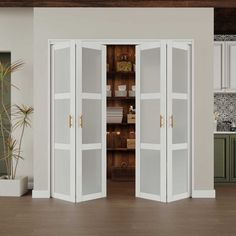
[[5, 58], [221, 158], [233, 158]]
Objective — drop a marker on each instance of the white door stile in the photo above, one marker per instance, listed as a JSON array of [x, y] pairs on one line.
[[81, 95], [78, 116], [163, 131], [137, 117], [61, 146]]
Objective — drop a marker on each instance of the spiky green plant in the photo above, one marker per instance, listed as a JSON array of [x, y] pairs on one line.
[[12, 118]]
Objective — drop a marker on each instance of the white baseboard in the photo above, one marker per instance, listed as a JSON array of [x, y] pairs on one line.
[[40, 194], [204, 194]]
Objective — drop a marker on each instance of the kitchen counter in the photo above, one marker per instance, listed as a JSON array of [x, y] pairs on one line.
[[225, 132]]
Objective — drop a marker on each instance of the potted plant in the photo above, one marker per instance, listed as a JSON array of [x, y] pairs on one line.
[[14, 119]]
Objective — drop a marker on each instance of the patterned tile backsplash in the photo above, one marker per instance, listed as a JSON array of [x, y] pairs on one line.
[[225, 106]]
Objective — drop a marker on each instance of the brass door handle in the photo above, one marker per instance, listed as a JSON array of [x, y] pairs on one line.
[[162, 121], [70, 121], [171, 121], [81, 121]]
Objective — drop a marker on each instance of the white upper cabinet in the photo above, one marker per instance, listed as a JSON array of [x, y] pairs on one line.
[[224, 66], [231, 65], [219, 78]]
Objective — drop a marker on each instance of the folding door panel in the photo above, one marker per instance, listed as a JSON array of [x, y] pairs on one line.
[[150, 124], [91, 107], [179, 123], [62, 64]]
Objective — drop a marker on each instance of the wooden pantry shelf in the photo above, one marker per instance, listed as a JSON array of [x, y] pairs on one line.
[[120, 98], [121, 149]]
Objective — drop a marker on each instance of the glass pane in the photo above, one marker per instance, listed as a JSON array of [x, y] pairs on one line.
[[91, 70], [180, 171], [91, 172], [180, 71], [62, 171], [150, 70], [62, 70], [91, 121], [150, 172], [150, 121], [180, 121], [61, 121]]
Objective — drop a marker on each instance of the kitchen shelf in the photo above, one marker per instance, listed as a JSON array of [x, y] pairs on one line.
[[114, 73], [121, 124], [120, 98], [121, 149]]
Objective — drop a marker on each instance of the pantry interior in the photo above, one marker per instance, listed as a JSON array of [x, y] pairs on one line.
[[120, 118]]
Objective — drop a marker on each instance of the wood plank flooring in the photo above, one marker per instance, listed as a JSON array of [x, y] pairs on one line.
[[120, 214]]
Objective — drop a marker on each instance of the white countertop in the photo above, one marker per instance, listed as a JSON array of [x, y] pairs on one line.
[[224, 132]]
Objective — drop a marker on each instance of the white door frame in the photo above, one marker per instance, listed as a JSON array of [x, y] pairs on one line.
[[123, 42]]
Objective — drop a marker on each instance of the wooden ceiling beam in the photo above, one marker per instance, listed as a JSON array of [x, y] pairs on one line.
[[119, 3]]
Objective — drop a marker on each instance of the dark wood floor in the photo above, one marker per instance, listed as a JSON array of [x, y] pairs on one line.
[[120, 214]]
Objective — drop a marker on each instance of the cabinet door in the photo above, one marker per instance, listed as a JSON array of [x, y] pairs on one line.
[[221, 158], [219, 81], [231, 65], [233, 158]]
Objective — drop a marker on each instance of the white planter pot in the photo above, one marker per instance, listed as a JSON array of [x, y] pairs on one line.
[[13, 187]]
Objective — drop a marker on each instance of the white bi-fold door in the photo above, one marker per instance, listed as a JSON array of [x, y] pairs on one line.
[[150, 121], [62, 70], [163, 124], [78, 120], [179, 116], [91, 131]]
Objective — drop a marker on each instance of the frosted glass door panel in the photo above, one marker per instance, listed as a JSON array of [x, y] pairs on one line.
[[150, 70], [62, 70], [150, 172], [179, 71], [61, 121], [91, 172], [91, 70], [180, 167], [92, 132], [62, 172], [180, 121], [150, 122]]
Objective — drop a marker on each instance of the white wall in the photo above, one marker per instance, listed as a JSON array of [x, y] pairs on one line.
[[126, 23], [16, 27]]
